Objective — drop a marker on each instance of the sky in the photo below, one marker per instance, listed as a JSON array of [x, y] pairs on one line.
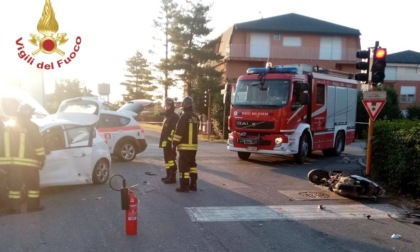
[[107, 33]]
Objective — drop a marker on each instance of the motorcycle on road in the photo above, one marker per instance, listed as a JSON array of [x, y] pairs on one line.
[[346, 185]]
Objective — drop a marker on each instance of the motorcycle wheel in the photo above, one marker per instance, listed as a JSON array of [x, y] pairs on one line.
[[317, 176]]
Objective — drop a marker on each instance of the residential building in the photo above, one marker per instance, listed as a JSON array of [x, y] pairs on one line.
[[297, 39], [402, 72], [287, 39]]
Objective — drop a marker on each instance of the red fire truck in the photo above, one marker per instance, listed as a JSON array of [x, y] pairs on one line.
[[292, 110]]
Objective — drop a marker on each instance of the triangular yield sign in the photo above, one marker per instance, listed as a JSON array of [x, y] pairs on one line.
[[373, 107]]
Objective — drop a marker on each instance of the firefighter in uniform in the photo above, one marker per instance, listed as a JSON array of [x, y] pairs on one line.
[[169, 154], [25, 154], [185, 140]]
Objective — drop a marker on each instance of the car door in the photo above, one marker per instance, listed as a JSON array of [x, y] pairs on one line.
[[68, 158]]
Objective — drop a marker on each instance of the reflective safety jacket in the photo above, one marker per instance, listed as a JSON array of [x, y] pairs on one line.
[[186, 132], [22, 145], [168, 129]]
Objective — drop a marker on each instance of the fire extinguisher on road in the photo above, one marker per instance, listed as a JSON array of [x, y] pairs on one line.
[[131, 214], [129, 203]]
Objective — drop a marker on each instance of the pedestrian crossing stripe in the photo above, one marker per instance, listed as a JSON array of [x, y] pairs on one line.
[[291, 212]]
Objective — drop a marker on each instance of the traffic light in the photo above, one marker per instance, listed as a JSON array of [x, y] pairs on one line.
[[378, 66], [363, 65]]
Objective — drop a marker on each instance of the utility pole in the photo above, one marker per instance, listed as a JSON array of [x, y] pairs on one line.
[[374, 100]]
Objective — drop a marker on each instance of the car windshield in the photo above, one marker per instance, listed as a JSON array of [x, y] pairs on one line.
[[271, 93], [79, 106]]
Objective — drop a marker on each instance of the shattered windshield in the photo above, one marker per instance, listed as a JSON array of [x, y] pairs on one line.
[[79, 106], [271, 93]]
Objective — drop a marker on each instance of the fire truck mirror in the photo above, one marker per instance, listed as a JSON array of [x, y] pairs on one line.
[[304, 98], [301, 86]]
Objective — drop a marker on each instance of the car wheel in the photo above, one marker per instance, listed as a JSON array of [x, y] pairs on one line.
[[100, 172], [126, 151]]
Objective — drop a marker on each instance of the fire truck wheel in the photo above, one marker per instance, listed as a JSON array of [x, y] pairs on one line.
[[100, 173], [339, 144], [244, 155], [303, 151]]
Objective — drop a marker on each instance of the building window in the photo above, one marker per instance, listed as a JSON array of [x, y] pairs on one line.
[[276, 36], [259, 45], [408, 94], [330, 48], [292, 41]]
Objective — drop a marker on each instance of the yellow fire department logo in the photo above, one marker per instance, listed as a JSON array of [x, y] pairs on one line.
[[48, 41], [48, 27]]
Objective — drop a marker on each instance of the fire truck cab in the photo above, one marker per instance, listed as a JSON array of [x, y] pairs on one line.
[[292, 110]]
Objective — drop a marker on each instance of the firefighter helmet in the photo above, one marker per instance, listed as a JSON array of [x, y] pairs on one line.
[[25, 111], [187, 102], [170, 102]]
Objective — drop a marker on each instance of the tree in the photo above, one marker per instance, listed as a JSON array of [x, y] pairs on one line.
[[163, 22], [413, 113], [139, 83], [192, 54], [390, 111], [65, 89]]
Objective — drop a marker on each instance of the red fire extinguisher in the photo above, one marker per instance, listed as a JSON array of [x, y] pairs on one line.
[[131, 214], [129, 202]]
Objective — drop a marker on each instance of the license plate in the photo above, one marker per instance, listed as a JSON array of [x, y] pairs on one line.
[[251, 148]]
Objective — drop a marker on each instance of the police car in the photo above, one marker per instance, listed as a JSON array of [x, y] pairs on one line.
[[119, 129]]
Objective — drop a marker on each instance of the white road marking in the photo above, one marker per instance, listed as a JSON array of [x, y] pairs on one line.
[[290, 212]]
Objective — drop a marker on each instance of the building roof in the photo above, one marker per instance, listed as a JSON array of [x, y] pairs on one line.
[[404, 57], [297, 24]]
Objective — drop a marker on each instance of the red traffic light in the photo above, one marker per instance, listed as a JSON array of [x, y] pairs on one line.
[[380, 53], [378, 66]]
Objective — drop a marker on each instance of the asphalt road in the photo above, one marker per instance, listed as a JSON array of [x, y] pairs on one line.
[[264, 204]]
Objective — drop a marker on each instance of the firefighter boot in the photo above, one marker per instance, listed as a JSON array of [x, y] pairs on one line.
[[14, 202], [193, 182], [184, 185], [172, 176], [14, 206], [33, 202], [167, 175]]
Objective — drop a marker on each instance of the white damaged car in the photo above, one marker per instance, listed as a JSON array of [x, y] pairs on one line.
[[75, 151]]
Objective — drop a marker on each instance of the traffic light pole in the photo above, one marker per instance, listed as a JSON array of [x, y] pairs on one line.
[[370, 132], [369, 143]]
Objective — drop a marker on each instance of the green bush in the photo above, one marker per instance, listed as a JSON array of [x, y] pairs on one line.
[[396, 156]]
